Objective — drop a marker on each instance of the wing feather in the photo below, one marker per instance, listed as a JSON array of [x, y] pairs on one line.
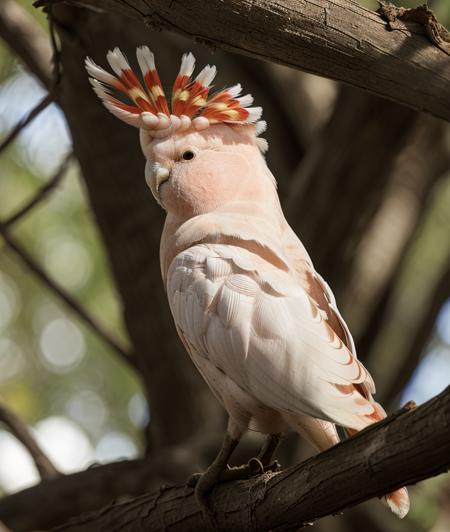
[[276, 344]]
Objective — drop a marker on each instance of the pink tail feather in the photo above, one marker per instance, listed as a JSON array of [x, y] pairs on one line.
[[323, 434]]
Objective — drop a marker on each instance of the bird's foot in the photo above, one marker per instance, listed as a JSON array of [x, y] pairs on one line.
[[204, 483], [191, 482], [274, 467], [252, 468]]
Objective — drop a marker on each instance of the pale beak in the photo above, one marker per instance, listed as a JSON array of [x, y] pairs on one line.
[[155, 176]]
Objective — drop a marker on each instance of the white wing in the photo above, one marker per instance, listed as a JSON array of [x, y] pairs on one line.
[[259, 327]]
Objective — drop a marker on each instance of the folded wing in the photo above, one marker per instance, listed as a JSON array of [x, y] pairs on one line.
[[259, 326]]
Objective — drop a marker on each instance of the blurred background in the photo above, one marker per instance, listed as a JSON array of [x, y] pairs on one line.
[[364, 182]]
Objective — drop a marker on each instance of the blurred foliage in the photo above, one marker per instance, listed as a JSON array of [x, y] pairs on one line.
[[50, 363]]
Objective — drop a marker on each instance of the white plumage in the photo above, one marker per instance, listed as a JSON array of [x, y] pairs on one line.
[[261, 330], [260, 324]]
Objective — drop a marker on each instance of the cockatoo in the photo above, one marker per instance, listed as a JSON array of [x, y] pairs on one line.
[[259, 323]]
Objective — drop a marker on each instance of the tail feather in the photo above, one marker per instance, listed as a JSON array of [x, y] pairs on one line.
[[398, 502], [323, 434]]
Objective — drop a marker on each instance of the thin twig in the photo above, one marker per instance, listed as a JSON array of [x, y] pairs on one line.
[[41, 194], [45, 102], [18, 429], [68, 299]]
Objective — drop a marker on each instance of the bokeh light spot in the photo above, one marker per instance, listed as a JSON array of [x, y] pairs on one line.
[[88, 409], [114, 446], [65, 443], [17, 470], [138, 411], [62, 345]]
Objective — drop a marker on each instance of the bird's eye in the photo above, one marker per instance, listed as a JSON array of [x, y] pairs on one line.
[[188, 155]]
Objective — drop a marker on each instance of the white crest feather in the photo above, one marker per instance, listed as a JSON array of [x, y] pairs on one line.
[[117, 61], [145, 58], [187, 64], [206, 76], [254, 114], [98, 72], [235, 90], [246, 100]]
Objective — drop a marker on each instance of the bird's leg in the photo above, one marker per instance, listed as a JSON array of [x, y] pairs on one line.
[[206, 481], [256, 465], [268, 450]]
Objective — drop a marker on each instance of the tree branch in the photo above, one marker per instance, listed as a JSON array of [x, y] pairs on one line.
[[27, 39], [380, 262], [403, 449], [23, 122], [354, 167], [70, 301], [89, 490], [340, 40], [18, 429], [41, 193]]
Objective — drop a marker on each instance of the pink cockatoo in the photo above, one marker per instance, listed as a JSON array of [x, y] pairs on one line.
[[259, 323]]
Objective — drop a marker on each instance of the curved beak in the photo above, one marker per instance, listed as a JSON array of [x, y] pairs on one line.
[[155, 176]]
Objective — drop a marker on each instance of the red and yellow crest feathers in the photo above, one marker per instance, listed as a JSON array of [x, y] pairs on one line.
[[191, 105]]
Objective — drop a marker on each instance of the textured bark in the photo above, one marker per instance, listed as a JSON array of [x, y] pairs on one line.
[[337, 39], [400, 450], [89, 490]]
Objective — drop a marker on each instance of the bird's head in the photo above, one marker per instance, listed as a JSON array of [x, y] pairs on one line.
[[202, 154]]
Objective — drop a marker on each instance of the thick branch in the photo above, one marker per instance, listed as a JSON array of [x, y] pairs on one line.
[[403, 449], [94, 488], [18, 429], [337, 39]]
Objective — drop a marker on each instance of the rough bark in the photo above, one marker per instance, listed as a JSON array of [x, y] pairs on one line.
[[337, 39], [89, 490], [93, 488], [400, 450]]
